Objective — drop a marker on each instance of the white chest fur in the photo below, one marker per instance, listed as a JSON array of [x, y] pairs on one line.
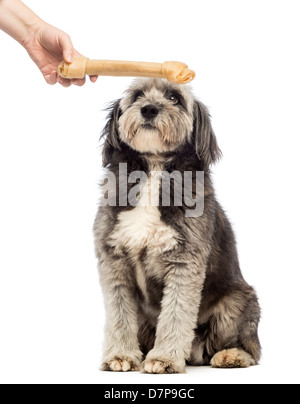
[[142, 226]]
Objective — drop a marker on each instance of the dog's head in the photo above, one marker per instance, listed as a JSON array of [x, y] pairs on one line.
[[157, 117]]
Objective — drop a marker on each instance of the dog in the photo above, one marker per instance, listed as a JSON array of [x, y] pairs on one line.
[[172, 284]]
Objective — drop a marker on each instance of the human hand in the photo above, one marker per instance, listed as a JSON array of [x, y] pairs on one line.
[[47, 46]]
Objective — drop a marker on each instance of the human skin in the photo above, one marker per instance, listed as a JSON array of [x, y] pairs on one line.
[[45, 44]]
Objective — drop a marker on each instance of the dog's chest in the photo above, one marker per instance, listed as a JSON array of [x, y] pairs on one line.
[[142, 226]]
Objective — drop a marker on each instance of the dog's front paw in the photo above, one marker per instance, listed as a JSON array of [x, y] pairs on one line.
[[160, 366], [121, 364]]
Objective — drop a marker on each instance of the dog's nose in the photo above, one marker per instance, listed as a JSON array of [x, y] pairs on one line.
[[150, 111]]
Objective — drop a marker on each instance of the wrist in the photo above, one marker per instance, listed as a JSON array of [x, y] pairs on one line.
[[29, 31]]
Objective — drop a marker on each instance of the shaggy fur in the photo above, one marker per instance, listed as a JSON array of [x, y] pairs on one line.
[[173, 288]]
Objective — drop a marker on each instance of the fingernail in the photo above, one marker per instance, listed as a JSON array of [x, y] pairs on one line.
[[70, 58]]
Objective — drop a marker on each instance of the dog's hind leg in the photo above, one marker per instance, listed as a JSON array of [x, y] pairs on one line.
[[232, 340], [232, 358]]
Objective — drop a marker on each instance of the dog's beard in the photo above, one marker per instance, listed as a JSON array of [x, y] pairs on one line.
[[147, 140], [160, 136]]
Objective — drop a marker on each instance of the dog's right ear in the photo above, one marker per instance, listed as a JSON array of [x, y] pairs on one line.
[[110, 133]]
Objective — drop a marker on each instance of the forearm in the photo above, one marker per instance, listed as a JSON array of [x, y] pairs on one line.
[[17, 20]]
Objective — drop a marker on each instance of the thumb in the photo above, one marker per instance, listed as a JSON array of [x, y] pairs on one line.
[[67, 47]]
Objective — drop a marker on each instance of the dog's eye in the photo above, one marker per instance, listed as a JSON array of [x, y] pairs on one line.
[[138, 95], [174, 99]]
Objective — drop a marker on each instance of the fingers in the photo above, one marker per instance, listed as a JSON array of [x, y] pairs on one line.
[[67, 47], [51, 78], [64, 82], [78, 82], [67, 83], [93, 79]]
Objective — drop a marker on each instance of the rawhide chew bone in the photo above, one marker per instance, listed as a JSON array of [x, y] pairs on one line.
[[176, 72]]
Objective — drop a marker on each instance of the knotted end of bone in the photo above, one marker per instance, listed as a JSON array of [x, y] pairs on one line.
[[74, 70], [178, 72]]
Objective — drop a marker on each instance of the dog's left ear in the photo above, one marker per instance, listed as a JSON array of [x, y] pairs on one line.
[[111, 133], [205, 140]]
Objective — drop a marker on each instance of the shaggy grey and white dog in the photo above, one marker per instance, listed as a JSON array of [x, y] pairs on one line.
[[172, 284]]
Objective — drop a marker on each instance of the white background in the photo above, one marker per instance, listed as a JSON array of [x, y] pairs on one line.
[[246, 55]]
